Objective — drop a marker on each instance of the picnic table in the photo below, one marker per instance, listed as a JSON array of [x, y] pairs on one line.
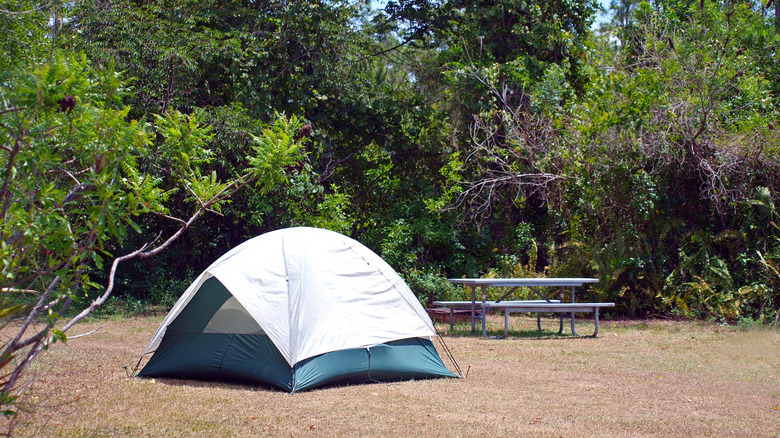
[[543, 305]]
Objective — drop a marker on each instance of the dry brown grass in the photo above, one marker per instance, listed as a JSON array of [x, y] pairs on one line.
[[650, 378]]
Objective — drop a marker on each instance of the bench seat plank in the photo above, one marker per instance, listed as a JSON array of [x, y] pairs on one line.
[[528, 306]]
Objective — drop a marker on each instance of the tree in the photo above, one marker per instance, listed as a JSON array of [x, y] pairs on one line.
[[507, 70], [23, 36], [238, 63], [622, 12], [670, 143], [77, 175]]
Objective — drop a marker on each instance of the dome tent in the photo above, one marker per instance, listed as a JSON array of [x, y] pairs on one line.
[[296, 308]]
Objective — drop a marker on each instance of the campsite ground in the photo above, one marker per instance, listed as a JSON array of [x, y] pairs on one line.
[[638, 378]]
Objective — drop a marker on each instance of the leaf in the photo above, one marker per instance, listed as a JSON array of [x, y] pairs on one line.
[[13, 311], [58, 335]]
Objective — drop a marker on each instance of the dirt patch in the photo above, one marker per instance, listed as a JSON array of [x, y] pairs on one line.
[[638, 378]]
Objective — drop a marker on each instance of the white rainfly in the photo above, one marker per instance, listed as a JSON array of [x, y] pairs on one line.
[[299, 285]]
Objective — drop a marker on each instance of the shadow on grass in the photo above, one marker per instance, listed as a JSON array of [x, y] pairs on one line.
[[232, 385], [240, 385]]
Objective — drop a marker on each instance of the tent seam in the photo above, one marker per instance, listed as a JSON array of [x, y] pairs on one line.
[[351, 247], [289, 307], [222, 361]]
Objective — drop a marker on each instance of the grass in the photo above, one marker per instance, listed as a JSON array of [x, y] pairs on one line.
[[638, 378]]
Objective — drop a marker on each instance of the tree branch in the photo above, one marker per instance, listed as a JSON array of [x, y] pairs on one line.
[[4, 192], [87, 333], [11, 346], [12, 110], [382, 52]]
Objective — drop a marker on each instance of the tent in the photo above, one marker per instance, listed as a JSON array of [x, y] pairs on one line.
[[297, 308]]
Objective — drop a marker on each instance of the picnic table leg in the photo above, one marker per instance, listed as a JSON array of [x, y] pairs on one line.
[[572, 313], [506, 323], [560, 316], [574, 332], [473, 306], [596, 319], [539, 322], [484, 311], [452, 318]]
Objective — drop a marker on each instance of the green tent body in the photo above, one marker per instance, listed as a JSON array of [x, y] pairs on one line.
[[300, 309]]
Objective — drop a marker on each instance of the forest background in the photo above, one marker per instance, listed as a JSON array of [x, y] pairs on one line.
[[454, 138]]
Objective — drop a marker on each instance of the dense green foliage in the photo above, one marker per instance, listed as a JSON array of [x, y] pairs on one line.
[[454, 138], [460, 138], [677, 144], [496, 137]]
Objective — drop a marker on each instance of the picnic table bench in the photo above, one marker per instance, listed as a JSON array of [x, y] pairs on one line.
[[543, 305]]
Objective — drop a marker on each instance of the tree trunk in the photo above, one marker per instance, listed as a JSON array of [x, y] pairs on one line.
[[777, 15]]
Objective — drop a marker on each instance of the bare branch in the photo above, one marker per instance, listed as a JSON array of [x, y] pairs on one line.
[[11, 346], [107, 292], [4, 192], [175, 219], [29, 11], [143, 253], [87, 333], [382, 52]]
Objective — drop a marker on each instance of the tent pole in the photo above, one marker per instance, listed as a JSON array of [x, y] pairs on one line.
[[292, 379], [449, 353], [135, 370]]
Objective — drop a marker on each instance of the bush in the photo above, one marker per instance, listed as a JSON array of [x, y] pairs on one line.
[[430, 286]]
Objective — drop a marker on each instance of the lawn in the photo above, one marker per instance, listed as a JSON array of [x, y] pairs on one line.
[[638, 378]]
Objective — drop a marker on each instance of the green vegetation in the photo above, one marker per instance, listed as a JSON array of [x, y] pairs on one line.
[[453, 138]]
